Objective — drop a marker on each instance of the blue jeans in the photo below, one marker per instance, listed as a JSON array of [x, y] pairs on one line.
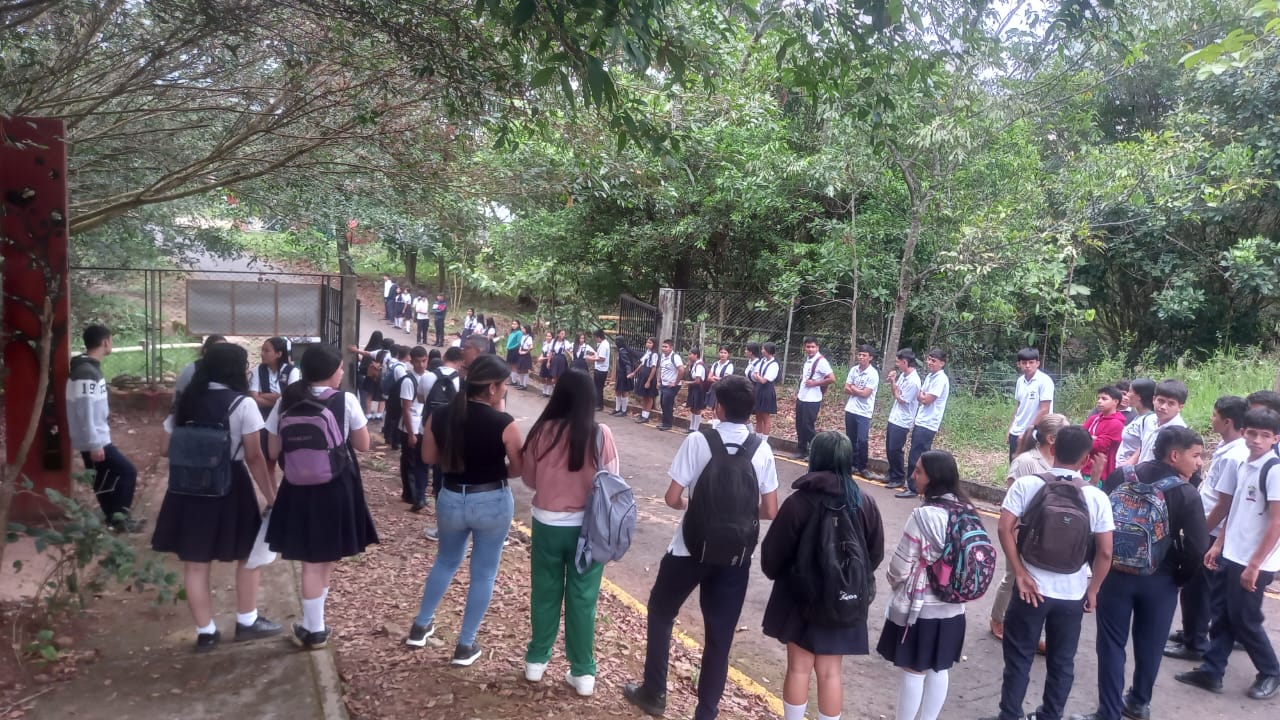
[[858, 429], [1146, 603], [895, 439], [667, 400], [921, 442], [1060, 620], [485, 518]]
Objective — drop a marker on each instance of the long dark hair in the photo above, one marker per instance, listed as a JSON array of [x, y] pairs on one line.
[[222, 363], [281, 346], [375, 342], [832, 452], [484, 371], [944, 476], [318, 364], [571, 408]]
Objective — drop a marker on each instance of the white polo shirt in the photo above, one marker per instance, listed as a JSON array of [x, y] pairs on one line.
[[669, 366], [1029, 394], [693, 456], [602, 356], [1248, 519], [1151, 431], [929, 416], [1226, 457], [815, 368], [869, 378], [722, 369], [903, 413], [1061, 586]]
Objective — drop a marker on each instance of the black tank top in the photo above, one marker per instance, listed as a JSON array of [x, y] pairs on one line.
[[483, 454]]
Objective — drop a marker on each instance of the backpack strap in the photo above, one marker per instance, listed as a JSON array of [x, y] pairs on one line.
[[232, 411], [285, 371], [1130, 473], [264, 378], [814, 370], [599, 448], [714, 442], [1263, 476], [1050, 477]]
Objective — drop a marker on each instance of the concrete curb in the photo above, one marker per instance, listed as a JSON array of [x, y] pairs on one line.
[[324, 667]]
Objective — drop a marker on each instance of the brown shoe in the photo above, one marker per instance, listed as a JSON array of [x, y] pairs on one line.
[[997, 629]]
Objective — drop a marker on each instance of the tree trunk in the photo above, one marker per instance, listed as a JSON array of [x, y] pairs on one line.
[[853, 304], [904, 283], [411, 265], [440, 270], [350, 302]]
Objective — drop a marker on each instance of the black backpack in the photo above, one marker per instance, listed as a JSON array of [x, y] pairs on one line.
[[831, 576], [442, 391], [1055, 532], [722, 524]]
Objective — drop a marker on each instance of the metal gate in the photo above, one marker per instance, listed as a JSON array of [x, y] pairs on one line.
[[637, 321]]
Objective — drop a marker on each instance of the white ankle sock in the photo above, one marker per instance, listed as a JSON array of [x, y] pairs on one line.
[[248, 618], [910, 693], [792, 712], [694, 421], [644, 414], [313, 614], [935, 694], [828, 717], [212, 627]]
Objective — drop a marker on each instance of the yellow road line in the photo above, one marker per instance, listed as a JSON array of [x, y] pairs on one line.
[[736, 676]]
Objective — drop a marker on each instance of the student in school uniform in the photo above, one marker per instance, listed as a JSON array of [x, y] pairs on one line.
[[579, 353], [544, 364], [1033, 393], [696, 388], [861, 385], [1248, 554], [559, 361], [764, 376], [1141, 397], [935, 389], [200, 530], [524, 358], [269, 380], [646, 377], [720, 369], [389, 294], [514, 338], [670, 373], [469, 323], [1167, 401], [491, 333], [905, 382], [397, 363], [623, 378], [422, 316], [815, 376], [413, 473], [319, 525], [438, 310], [599, 359]]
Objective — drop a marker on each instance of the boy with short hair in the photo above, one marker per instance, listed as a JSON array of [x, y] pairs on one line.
[[1033, 392], [723, 588], [905, 382], [413, 474], [114, 477], [438, 311], [670, 373], [860, 385], [1248, 552], [1169, 397], [815, 376], [422, 316], [935, 389], [1105, 426], [1044, 599]]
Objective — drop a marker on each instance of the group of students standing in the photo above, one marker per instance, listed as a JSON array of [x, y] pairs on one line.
[[407, 310]]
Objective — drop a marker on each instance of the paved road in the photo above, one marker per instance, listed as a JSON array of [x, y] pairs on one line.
[[870, 682]]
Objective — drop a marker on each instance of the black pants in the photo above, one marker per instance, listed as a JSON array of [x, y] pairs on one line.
[[391, 429], [895, 439], [1013, 446], [806, 424], [1146, 604], [921, 443], [858, 429], [721, 592], [1240, 620], [1200, 599], [1060, 620], [389, 306], [114, 480], [424, 327], [600, 376], [413, 473], [667, 398], [439, 331]]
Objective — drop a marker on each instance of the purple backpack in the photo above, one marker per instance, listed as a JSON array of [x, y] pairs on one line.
[[313, 449]]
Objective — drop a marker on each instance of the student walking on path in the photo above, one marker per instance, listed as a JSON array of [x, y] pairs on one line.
[[200, 529], [477, 445], [813, 648], [320, 515], [560, 459]]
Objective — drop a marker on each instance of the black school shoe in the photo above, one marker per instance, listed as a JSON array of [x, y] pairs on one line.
[[207, 641], [308, 640], [650, 702], [1134, 711], [1182, 652], [1265, 687], [261, 628], [1202, 679]]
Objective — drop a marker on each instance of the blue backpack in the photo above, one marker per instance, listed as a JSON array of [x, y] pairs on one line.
[[1142, 537]]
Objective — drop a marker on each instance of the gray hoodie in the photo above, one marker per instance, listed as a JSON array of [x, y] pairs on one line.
[[87, 408]]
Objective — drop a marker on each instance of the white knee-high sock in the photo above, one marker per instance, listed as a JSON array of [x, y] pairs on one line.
[[694, 421], [828, 717], [910, 693], [935, 694], [313, 614], [625, 402], [792, 712]]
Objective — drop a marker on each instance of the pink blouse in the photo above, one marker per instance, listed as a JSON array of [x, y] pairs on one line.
[[555, 488]]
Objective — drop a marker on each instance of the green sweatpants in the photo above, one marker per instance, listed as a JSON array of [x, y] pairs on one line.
[[555, 582]]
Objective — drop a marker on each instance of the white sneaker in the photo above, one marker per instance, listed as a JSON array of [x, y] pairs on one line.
[[584, 685], [431, 532], [533, 671]]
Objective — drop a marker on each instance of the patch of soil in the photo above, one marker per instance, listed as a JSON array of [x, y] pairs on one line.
[[374, 598]]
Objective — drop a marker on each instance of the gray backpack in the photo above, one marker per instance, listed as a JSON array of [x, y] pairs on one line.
[[610, 518]]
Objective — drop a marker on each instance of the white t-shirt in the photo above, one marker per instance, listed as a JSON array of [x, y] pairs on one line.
[[1150, 432], [386, 288], [816, 368], [869, 378], [721, 370], [1226, 457], [527, 344], [273, 379], [1029, 394], [693, 456], [929, 416], [354, 414], [244, 420], [1248, 521], [903, 412], [421, 308], [602, 356], [1131, 437], [670, 366], [1061, 586], [768, 368], [412, 423]]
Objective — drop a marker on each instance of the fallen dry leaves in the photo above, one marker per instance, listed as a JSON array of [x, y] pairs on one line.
[[372, 603]]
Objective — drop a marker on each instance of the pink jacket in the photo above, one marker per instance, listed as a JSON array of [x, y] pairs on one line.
[[555, 489]]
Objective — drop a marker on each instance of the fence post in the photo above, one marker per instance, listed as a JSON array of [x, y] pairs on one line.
[[786, 343], [668, 302]]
